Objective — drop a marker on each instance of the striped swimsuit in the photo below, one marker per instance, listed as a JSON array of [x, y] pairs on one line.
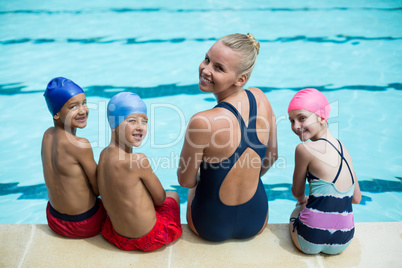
[[326, 224]]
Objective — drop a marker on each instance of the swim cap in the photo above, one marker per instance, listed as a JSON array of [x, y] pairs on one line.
[[123, 105], [58, 92], [312, 100]]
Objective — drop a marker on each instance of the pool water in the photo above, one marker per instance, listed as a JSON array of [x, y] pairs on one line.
[[352, 51]]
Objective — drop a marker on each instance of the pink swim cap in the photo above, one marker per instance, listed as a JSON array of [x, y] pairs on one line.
[[312, 100]]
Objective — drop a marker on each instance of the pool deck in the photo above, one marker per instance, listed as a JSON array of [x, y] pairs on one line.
[[35, 245]]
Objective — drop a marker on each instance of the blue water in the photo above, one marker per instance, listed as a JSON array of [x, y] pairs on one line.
[[351, 50]]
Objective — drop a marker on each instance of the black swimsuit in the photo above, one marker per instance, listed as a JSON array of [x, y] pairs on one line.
[[214, 220]]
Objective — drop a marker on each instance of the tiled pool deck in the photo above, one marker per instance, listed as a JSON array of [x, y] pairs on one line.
[[35, 245]]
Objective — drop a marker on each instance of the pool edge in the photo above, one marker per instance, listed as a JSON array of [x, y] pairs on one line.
[[34, 245]]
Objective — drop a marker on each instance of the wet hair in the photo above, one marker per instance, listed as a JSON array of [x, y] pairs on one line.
[[247, 46]]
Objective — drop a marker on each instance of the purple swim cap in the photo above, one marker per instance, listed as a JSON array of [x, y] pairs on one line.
[[312, 100], [58, 92]]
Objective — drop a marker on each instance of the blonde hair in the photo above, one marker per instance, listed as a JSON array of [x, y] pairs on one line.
[[247, 46]]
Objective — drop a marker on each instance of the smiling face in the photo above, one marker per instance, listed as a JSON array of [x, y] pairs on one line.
[[217, 72], [74, 112], [307, 125], [132, 130]]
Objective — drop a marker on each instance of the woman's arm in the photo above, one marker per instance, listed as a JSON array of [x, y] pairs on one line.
[[267, 124], [272, 147], [196, 140]]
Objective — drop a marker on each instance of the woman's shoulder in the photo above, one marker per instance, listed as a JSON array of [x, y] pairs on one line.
[[255, 90], [200, 120], [262, 102], [258, 93], [260, 96], [204, 113], [204, 118]]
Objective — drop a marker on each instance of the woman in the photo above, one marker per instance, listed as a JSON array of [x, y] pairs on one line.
[[229, 147]]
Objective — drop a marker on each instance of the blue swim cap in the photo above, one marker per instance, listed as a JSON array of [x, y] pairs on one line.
[[58, 92], [123, 105]]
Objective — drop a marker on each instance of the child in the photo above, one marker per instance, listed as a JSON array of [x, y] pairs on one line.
[[141, 215], [69, 167], [323, 221]]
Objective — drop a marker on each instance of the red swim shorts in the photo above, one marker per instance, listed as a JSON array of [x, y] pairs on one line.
[[167, 229], [84, 225]]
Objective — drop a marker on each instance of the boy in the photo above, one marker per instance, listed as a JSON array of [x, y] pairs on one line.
[[69, 168], [141, 215]]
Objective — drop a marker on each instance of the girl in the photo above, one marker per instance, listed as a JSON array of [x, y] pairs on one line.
[[323, 221]]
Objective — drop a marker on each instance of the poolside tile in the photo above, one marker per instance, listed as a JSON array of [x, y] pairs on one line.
[[52, 250], [374, 245], [15, 238], [270, 248]]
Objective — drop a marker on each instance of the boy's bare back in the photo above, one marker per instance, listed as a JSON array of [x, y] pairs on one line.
[[129, 190], [139, 216], [69, 167], [68, 185]]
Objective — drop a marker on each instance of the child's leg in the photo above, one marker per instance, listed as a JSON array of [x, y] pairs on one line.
[[293, 233], [174, 195]]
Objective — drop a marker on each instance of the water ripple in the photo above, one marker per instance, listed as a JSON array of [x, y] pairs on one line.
[[337, 39], [108, 91], [192, 10], [273, 191]]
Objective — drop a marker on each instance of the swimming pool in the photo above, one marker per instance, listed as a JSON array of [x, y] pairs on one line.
[[352, 51]]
